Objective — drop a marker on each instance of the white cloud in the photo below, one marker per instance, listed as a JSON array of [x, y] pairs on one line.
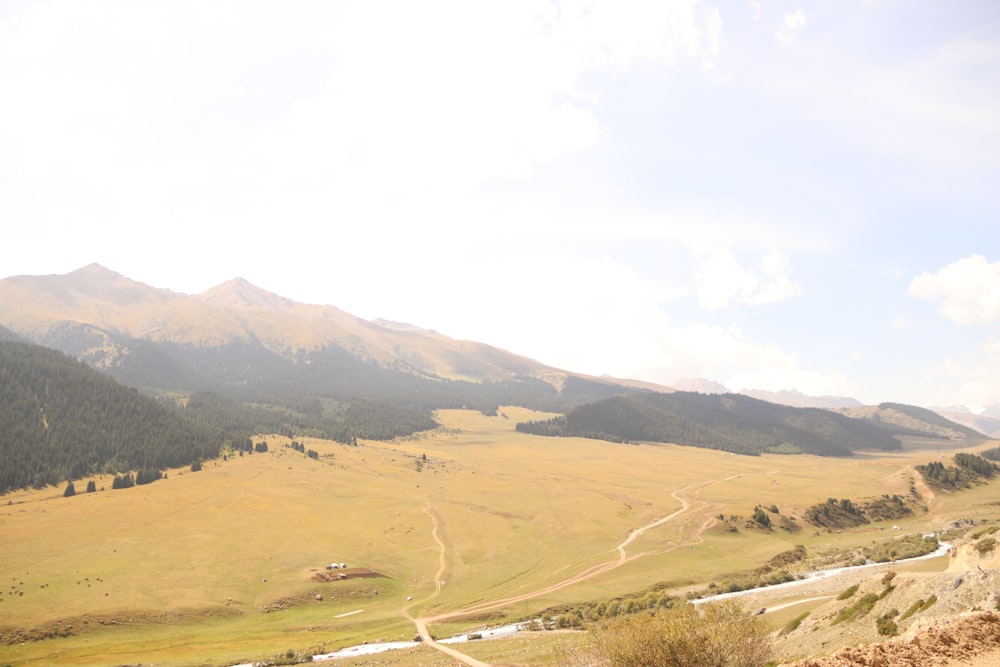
[[777, 285], [929, 108], [791, 26], [968, 289], [491, 89], [198, 119], [594, 314], [729, 356], [722, 279], [971, 381], [791, 376], [450, 94]]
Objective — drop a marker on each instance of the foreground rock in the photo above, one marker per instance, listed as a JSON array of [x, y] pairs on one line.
[[951, 618], [973, 639]]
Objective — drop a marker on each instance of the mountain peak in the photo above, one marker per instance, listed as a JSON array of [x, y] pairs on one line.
[[401, 326], [95, 270], [700, 385], [240, 293], [96, 282], [797, 399]]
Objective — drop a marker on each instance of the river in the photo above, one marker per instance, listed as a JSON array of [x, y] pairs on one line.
[[513, 629]]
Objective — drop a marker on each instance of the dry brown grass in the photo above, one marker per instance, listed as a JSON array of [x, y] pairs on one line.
[[517, 513]]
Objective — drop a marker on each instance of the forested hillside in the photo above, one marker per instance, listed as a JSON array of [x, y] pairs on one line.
[[729, 422], [61, 420], [334, 420], [242, 358], [251, 373], [7, 334], [327, 392], [928, 422]]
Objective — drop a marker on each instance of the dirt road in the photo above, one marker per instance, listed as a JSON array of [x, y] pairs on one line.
[[684, 496]]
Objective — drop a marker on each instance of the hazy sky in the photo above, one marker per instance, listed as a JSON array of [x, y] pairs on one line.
[[782, 194]]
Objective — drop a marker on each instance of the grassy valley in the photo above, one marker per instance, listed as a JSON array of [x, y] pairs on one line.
[[219, 566], [293, 437]]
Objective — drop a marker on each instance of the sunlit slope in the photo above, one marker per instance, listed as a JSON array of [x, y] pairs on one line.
[[516, 514], [94, 312]]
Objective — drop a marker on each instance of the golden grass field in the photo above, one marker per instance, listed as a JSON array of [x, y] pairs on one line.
[[215, 567]]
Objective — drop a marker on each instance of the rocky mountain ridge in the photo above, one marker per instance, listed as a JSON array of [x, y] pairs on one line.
[[90, 311]]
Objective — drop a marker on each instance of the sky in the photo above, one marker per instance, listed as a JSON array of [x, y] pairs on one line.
[[789, 194]]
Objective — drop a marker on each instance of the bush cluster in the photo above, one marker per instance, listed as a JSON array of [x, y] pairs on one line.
[[721, 634], [909, 546]]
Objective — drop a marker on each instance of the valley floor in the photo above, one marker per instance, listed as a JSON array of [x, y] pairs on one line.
[[471, 525]]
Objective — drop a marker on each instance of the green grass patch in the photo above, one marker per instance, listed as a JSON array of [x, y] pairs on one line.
[[989, 530], [848, 592], [986, 545], [793, 624], [858, 609]]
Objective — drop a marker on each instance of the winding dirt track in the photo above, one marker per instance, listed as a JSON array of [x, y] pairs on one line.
[[681, 495], [422, 623]]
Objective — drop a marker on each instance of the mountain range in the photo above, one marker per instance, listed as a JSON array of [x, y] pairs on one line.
[[790, 397], [240, 360], [288, 366], [88, 311]]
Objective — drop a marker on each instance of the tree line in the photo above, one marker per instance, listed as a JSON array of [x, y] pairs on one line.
[[249, 373], [61, 420], [969, 469], [729, 422]]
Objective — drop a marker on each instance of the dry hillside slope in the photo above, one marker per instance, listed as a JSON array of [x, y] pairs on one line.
[[91, 309], [946, 618]]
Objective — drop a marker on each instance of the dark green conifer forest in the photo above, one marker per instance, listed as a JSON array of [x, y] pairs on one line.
[[60, 420], [730, 422]]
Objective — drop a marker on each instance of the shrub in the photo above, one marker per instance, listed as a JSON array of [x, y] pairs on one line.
[[125, 481], [914, 608], [147, 476], [989, 530], [901, 548], [858, 609], [886, 626], [70, 491], [986, 545], [723, 634], [793, 624], [849, 592]]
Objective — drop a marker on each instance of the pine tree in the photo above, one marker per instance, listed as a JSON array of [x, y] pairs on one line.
[[70, 490]]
